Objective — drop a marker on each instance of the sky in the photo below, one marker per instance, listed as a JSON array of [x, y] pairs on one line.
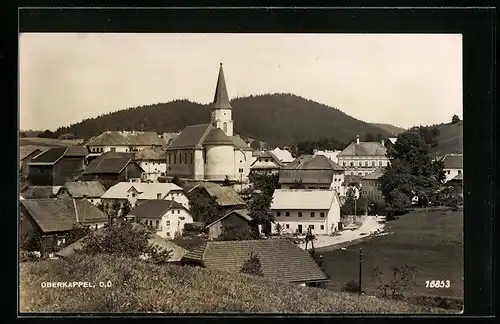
[[399, 79]]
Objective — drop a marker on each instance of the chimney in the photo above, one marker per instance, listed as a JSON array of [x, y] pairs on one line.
[[357, 139]]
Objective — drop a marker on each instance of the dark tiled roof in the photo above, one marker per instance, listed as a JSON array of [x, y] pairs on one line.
[[217, 137], [50, 156], [52, 215], [36, 192], [77, 189], [77, 151], [243, 213], [221, 98], [27, 150], [153, 208], [280, 259], [269, 155], [191, 137], [375, 175], [453, 161], [151, 153], [306, 176], [240, 144], [313, 162], [224, 196], [364, 149], [107, 165], [196, 254], [127, 139], [88, 213]]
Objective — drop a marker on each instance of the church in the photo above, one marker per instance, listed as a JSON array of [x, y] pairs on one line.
[[211, 152]]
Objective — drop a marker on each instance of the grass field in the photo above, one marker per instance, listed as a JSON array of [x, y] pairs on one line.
[[141, 287], [431, 241], [47, 142]]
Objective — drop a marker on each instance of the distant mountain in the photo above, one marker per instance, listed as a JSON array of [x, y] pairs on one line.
[[278, 119], [391, 129]]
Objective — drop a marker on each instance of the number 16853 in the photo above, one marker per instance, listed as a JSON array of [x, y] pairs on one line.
[[437, 284]]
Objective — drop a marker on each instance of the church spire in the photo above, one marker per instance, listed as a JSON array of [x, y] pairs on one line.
[[221, 99]]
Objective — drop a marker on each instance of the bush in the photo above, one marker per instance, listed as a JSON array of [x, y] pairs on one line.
[[252, 266], [351, 287], [403, 278], [31, 241], [437, 301]]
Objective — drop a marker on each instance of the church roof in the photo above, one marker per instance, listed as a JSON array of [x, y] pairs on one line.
[[221, 99], [191, 137], [218, 137]]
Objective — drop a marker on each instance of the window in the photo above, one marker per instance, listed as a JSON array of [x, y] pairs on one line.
[[145, 163], [168, 223], [322, 214], [185, 158], [175, 158], [287, 213], [113, 149], [300, 214], [359, 164], [459, 171], [322, 227], [311, 227], [352, 164], [157, 224], [224, 127], [158, 196], [266, 160], [312, 214], [379, 163], [278, 214], [178, 211], [373, 163], [287, 225], [191, 157], [448, 171], [366, 163], [168, 233], [343, 163], [133, 194]]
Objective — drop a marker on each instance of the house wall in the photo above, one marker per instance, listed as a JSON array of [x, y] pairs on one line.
[[215, 230], [199, 165], [221, 116], [181, 163], [294, 220], [242, 160], [178, 196], [118, 148], [362, 165], [333, 216], [131, 171], [219, 163], [171, 222], [153, 169], [337, 181], [306, 185], [41, 175], [451, 173], [67, 169]]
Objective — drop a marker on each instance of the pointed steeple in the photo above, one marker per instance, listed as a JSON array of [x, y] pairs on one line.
[[221, 99]]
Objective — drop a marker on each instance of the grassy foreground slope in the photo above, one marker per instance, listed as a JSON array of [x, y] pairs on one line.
[[143, 287]]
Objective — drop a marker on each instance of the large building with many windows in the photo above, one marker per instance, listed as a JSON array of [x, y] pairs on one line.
[[362, 158]]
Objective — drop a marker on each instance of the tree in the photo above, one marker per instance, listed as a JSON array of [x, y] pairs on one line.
[[125, 209], [252, 266], [369, 138], [226, 182], [278, 228], [455, 119], [259, 206], [402, 279], [31, 241], [203, 208], [46, 134], [348, 207], [76, 233]]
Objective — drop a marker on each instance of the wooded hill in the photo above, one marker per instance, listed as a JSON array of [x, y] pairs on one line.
[[278, 119]]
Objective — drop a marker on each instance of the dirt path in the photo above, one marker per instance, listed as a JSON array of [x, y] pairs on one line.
[[368, 227]]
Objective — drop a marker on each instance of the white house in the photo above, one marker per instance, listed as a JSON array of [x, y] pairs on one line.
[[266, 163], [362, 158], [297, 210], [453, 165], [153, 160], [211, 151], [166, 217], [135, 192]]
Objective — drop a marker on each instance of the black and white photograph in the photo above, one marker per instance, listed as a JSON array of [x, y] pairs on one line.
[[167, 173]]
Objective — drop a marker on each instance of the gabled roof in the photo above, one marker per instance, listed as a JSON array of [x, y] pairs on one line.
[[453, 161], [303, 199], [313, 162], [375, 175], [283, 155], [191, 137], [27, 150], [147, 190], [36, 192], [364, 149], [269, 155], [458, 177], [54, 215], [224, 196], [127, 138], [280, 259], [217, 137], [114, 165], [239, 143], [76, 151], [54, 154], [153, 208], [221, 98], [243, 213], [79, 189], [150, 154]]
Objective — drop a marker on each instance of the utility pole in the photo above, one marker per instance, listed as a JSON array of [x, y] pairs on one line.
[[360, 267]]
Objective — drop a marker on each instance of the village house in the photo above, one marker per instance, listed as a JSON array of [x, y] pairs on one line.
[[90, 190], [332, 155], [26, 154], [284, 156], [238, 218], [123, 141], [57, 165], [225, 198], [138, 192], [362, 158], [370, 185], [312, 172], [211, 151], [280, 260], [266, 163], [166, 217], [36, 192], [453, 165], [53, 218], [298, 210], [153, 160], [109, 170]]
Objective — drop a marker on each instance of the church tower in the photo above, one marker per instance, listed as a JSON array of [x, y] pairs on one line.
[[221, 108]]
